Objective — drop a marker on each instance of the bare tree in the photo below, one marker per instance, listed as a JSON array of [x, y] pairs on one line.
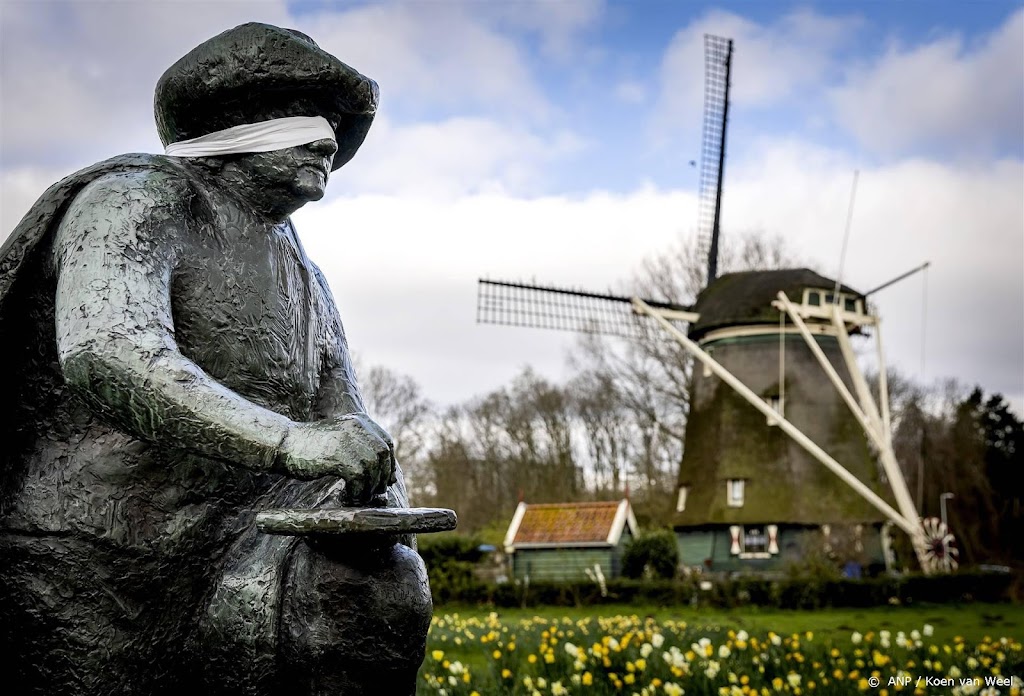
[[516, 440]]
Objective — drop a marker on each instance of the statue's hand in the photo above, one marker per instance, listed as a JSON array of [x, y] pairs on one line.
[[352, 447]]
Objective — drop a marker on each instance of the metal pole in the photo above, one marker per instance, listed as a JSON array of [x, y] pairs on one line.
[[897, 279], [846, 238], [942, 508], [769, 413]]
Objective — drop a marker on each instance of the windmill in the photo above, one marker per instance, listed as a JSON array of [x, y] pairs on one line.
[[783, 435]]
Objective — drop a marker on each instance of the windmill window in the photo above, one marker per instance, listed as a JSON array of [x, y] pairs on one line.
[[734, 492], [681, 499], [755, 540], [775, 403]]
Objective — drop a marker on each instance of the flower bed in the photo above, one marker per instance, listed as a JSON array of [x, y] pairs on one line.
[[633, 655]]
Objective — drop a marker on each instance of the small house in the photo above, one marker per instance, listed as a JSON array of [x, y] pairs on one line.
[[562, 541]]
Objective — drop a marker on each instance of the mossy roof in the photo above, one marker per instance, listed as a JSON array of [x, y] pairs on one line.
[[568, 523], [736, 299]]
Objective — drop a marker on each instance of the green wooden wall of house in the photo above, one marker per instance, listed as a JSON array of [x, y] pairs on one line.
[[696, 546], [565, 564]]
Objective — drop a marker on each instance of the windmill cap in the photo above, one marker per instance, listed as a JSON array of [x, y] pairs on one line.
[[745, 297], [256, 72]]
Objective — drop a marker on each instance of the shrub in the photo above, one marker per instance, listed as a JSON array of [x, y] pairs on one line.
[[651, 555], [450, 559]]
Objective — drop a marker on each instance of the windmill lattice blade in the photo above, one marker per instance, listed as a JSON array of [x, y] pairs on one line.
[[717, 59], [534, 306]]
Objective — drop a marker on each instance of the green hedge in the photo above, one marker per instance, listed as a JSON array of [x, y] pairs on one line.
[[652, 554], [749, 591]]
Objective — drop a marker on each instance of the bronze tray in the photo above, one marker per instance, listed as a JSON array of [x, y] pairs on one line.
[[342, 521]]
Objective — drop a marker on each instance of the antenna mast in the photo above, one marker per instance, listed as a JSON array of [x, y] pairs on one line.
[[717, 67]]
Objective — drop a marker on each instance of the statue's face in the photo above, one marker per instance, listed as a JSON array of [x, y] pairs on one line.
[[289, 178]]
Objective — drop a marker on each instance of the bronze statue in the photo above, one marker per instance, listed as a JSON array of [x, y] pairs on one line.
[[174, 366]]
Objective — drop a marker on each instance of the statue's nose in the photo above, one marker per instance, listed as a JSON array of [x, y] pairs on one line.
[[323, 147]]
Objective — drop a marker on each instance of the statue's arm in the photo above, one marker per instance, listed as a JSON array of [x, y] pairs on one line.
[[115, 251]]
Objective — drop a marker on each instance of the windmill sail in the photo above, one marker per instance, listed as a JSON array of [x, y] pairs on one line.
[[717, 66], [535, 306]]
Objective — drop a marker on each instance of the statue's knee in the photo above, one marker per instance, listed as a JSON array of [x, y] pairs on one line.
[[343, 607]]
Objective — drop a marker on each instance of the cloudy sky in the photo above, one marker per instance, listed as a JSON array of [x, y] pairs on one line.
[[551, 141]]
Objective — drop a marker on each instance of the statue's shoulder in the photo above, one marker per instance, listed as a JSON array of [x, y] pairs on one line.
[[142, 175], [153, 183]]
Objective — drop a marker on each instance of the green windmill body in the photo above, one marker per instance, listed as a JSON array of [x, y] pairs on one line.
[[749, 497]]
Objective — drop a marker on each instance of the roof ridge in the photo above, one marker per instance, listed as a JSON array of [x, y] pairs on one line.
[[586, 503]]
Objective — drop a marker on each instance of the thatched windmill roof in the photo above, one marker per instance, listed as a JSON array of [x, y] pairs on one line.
[[743, 298]]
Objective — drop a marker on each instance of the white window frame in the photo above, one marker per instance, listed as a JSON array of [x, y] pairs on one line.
[[776, 404], [734, 492], [819, 310], [684, 491], [738, 547]]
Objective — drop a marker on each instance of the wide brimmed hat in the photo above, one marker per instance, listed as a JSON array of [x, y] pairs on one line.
[[256, 72]]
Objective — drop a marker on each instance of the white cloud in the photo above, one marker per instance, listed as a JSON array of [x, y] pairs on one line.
[[631, 92], [947, 94], [404, 272], [454, 157], [79, 77], [434, 54], [771, 62], [558, 24]]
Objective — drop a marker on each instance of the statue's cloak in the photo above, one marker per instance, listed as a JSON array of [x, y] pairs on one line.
[[38, 224]]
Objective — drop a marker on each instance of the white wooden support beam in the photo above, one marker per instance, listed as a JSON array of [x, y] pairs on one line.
[[886, 454], [883, 384], [876, 437], [679, 315], [791, 430], [874, 427]]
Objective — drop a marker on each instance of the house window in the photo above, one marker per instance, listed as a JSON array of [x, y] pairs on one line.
[[755, 540], [849, 304], [775, 403], [681, 499], [814, 298], [734, 492]]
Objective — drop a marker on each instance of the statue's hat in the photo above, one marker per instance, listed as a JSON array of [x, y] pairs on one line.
[[256, 72]]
